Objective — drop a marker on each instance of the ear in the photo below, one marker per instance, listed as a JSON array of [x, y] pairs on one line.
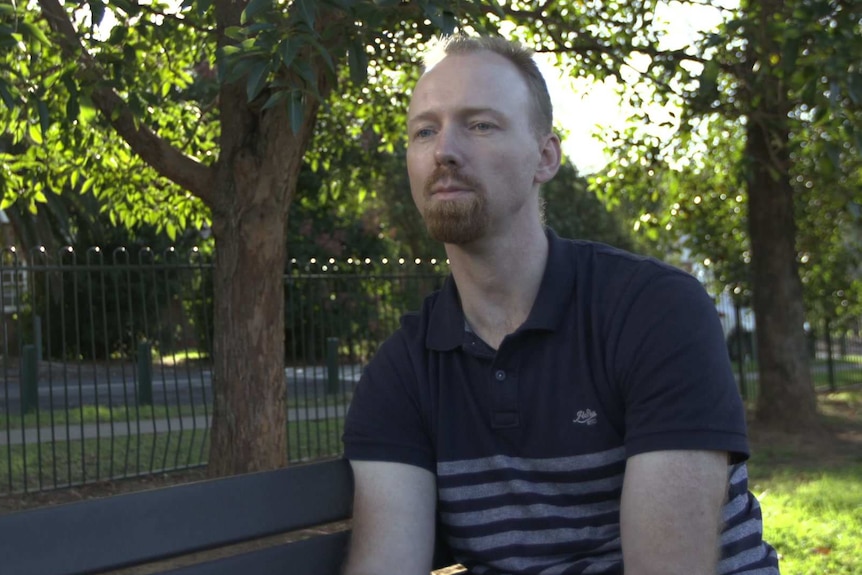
[[549, 160]]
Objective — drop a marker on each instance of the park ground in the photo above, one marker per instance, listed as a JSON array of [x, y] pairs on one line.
[[810, 488]]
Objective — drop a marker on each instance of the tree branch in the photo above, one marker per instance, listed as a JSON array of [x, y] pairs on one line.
[[157, 152]]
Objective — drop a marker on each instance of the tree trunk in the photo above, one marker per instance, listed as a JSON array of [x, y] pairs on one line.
[[786, 401], [248, 430], [260, 157], [257, 171], [250, 228]]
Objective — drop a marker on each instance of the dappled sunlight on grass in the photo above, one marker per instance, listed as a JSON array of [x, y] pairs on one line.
[[814, 520], [810, 489], [182, 357], [851, 398]]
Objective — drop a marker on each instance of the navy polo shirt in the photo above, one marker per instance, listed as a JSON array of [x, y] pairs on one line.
[[620, 355]]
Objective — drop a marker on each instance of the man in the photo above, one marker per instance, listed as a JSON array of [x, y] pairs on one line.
[[559, 406]]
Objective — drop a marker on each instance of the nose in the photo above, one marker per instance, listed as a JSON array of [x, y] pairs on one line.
[[448, 149]]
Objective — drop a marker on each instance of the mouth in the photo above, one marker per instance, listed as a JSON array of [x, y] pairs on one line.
[[449, 190]]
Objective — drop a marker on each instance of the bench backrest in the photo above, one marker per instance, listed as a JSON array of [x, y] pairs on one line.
[[137, 528]]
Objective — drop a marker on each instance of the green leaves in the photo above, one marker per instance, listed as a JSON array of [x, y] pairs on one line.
[[707, 91], [253, 9], [441, 17], [202, 6], [97, 11], [6, 95], [33, 31], [44, 116], [854, 86], [288, 49], [257, 79], [357, 61], [307, 11], [296, 110]]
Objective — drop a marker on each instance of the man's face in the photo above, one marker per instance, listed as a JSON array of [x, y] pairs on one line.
[[473, 158]]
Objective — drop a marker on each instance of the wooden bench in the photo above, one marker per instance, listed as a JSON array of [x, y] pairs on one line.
[[134, 529]]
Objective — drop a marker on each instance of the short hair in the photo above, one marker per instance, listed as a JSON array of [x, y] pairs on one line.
[[516, 53]]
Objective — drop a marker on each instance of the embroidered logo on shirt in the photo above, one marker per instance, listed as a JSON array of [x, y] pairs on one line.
[[586, 417]]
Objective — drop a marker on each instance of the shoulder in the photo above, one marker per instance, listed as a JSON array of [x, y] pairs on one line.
[[414, 324], [409, 341], [609, 261], [615, 277]]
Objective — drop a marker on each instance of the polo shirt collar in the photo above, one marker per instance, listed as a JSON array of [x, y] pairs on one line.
[[446, 322], [557, 288]]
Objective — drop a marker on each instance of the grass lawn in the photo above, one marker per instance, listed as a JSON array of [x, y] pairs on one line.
[[105, 414], [842, 377], [811, 491], [97, 414]]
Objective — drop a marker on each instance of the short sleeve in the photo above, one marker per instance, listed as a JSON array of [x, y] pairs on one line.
[[671, 362], [386, 420]]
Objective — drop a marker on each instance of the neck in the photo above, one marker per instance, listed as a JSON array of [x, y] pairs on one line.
[[498, 280]]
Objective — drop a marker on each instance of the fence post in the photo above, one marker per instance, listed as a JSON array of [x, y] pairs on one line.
[[145, 373], [740, 351], [37, 335], [811, 335], [29, 379], [331, 365], [830, 365]]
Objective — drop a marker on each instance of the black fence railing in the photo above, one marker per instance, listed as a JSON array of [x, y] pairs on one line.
[[106, 371], [106, 358], [834, 348], [336, 315]]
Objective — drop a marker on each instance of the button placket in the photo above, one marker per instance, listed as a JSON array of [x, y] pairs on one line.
[[505, 413]]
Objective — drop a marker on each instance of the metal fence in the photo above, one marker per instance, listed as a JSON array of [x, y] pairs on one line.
[[834, 348], [106, 367]]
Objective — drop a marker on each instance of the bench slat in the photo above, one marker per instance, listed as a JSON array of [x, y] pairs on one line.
[[129, 529], [320, 555]]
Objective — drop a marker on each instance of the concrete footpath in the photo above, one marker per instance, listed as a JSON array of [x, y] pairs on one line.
[[76, 431]]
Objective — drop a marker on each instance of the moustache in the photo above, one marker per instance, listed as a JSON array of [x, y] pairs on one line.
[[453, 176]]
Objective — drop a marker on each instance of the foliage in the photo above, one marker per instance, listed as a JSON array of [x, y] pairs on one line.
[[327, 222], [56, 142], [169, 75], [692, 189], [830, 231], [99, 303], [574, 211]]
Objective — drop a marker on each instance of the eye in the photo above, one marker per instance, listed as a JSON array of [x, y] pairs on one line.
[[423, 133], [482, 126]]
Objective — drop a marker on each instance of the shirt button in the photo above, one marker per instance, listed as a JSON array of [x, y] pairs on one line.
[[500, 375]]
